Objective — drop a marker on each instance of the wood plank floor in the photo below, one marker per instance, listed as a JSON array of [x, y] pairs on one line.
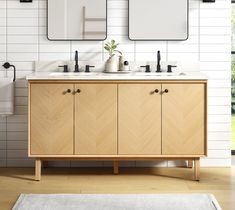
[[218, 181]]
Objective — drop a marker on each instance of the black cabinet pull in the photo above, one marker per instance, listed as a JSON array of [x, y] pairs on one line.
[[156, 91], [67, 91], [166, 91], [78, 91]]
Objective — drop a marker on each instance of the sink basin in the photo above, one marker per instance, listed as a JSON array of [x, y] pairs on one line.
[[160, 74], [72, 73]]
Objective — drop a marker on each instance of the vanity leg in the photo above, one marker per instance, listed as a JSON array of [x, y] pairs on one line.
[[38, 165], [197, 169], [190, 163], [115, 167]]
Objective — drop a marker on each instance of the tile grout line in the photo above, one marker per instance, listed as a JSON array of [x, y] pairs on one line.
[[7, 60], [199, 31], [38, 32]]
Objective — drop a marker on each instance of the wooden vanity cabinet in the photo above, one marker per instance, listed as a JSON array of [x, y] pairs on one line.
[[118, 120], [73, 119], [139, 119], [183, 119], [51, 119], [95, 119]]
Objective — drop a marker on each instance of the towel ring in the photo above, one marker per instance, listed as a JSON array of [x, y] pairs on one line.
[[7, 66]]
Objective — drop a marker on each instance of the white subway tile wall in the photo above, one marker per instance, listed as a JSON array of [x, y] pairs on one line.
[[23, 40]]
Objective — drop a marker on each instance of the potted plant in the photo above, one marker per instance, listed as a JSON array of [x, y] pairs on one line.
[[112, 64]]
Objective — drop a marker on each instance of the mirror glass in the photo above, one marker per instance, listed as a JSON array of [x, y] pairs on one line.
[[158, 19], [77, 19]]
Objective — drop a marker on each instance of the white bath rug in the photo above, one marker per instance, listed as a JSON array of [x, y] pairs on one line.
[[116, 202]]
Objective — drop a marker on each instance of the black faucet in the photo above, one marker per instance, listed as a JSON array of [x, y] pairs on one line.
[[158, 61], [169, 68], [65, 67], [87, 68], [76, 62], [147, 68]]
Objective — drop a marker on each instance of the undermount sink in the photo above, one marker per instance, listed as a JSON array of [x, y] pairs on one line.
[[72, 73], [160, 73]]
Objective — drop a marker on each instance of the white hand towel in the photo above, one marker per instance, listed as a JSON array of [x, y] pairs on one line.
[[6, 96]]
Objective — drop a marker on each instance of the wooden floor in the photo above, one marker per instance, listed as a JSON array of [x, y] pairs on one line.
[[218, 181]]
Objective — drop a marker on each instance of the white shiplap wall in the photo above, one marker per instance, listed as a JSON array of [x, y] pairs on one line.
[[23, 40]]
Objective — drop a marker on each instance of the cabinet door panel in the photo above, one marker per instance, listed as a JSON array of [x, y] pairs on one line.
[[183, 119], [51, 119], [96, 119], [139, 121]]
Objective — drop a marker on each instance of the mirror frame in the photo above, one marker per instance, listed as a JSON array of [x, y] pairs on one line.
[[78, 39], [187, 36]]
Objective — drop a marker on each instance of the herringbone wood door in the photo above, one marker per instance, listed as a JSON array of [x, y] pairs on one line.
[[139, 122], [51, 119], [96, 119], [183, 119]]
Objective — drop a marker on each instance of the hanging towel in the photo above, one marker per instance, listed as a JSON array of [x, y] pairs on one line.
[[6, 96]]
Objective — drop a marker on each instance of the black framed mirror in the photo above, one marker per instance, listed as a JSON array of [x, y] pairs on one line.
[[78, 20], [158, 20]]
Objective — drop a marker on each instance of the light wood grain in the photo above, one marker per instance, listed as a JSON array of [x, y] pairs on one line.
[[51, 119], [190, 163], [38, 166], [139, 119], [183, 119], [149, 81], [117, 120], [197, 169], [96, 119], [216, 181], [120, 157]]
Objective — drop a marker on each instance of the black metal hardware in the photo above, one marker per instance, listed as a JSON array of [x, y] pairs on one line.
[[142, 39], [7, 66], [65, 68], [26, 1], [126, 63], [87, 68], [158, 61], [67, 91], [76, 62], [156, 91], [169, 68], [77, 91], [147, 68], [208, 1], [166, 91]]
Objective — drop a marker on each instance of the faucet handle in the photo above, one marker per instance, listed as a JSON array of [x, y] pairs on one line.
[[147, 68], [65, 68], [169, 68], [87, 68]]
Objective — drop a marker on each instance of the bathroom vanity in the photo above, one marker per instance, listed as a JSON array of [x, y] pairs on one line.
[[117, 117]]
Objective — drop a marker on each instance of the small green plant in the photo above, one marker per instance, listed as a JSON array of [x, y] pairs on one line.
[[111, 47]]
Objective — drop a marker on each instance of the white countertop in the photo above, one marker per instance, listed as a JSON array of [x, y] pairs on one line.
[[116, 76]]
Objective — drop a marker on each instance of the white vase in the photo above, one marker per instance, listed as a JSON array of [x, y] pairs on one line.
[[112, 64]]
